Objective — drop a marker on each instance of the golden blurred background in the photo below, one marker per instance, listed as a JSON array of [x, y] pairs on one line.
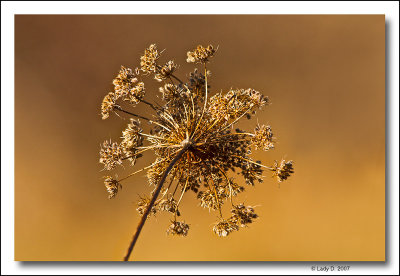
[[325, 77]]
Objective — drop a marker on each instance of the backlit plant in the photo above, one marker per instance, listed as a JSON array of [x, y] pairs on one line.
[[194, 139]]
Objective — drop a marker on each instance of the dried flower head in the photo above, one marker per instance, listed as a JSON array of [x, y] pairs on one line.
[[236, 103], [148, 61], [124, 82], [210, 199], [169, 92], [169, 205], [108, 105], [112, 186], [263, 137], [135, 94], [111, 155], [242, 215], [224, 227], [283, 170], [200, 54], [178, 228], [165, 71], [132, 137], [132, 140], [191, 135]]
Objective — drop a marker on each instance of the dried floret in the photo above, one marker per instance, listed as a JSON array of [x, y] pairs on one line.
[[230, 189], [168, 205], [108, 105], [283, 169], [131, 135], [169, 92], [200, 54], [263, 138], [148, 61], [224, 227], [135, 94], [124, 82], [165, 71], [210, 199], [131, 140], [111, 155], [112, 186], [242, 215], [236, 103], [178, 228]]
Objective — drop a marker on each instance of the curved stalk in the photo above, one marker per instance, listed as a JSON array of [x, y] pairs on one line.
[[153, 199]]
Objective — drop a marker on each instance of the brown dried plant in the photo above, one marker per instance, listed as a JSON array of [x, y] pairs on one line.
[[193, 139]]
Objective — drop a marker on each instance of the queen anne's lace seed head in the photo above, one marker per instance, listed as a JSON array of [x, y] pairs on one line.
[[194, 128]]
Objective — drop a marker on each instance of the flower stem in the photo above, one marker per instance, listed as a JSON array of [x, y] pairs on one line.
[[149, 104], [117, 107], [153, 200]]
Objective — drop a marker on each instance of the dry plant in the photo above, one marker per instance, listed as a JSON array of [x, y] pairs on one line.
[[193, 139]]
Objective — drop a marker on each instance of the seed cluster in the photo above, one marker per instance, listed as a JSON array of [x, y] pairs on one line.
[[108, 105], [201, 54], [283, 169], [112, 186], [148, 61], [178, 228], [200, 128], [263, 138], [165, 71], [111, 155]]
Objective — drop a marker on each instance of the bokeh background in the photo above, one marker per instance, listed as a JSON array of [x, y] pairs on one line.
[[325, 77]]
